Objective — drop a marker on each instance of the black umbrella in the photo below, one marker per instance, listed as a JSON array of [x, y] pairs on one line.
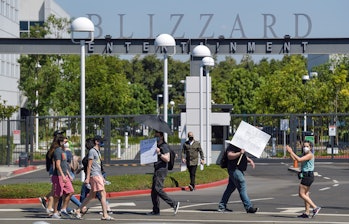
[[155, 122]]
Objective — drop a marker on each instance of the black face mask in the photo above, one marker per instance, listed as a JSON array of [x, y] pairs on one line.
[[191, 138]]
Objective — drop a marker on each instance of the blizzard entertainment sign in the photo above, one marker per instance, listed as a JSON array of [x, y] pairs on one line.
[[219, 46], [302, 26]]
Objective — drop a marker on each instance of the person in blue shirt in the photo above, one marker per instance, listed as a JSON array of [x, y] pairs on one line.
[[307, 177]]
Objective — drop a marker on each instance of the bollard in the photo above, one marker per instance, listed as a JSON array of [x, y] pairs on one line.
[[119, 148], [295, 164], [126, 140]]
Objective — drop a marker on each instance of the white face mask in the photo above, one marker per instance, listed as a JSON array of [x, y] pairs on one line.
[[66, 145], [306, 149]]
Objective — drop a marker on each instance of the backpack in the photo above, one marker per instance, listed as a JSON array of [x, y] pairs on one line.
[[172, 159], [224, 160], [48, 162], [84, 163]]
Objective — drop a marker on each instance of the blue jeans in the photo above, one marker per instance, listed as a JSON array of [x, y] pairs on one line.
[[84, 192], [236, 181]]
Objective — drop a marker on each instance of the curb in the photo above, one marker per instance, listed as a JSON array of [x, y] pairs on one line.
[[114, 194], [16, 171], [24, 170]]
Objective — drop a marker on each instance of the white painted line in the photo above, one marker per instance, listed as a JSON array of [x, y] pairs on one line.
[[324, 189]]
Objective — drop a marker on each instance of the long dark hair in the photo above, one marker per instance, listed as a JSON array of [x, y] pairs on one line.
[[55, 144]]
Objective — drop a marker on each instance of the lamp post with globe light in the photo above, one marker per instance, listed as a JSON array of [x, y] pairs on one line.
[[208, 62], [82, 25], [165, 41], [202, 51]]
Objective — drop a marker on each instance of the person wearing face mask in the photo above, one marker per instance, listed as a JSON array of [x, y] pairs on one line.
[[307, 177], [160, 173], [190, 156]]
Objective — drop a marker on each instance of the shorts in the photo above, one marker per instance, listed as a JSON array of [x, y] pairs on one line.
[[307, 181], [60, 188], [97, 183]]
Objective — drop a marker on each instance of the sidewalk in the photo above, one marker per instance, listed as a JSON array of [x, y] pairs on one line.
[[12, 170]]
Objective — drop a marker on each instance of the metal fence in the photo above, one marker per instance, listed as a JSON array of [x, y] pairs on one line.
[[122, 134]]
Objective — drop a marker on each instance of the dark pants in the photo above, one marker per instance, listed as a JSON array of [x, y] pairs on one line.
[[192, 174], [157, 191]]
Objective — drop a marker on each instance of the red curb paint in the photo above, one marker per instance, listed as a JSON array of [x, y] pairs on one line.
[[24, 170], [113, 194]]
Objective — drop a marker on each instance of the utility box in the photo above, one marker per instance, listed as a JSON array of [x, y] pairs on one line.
[[23, 159]]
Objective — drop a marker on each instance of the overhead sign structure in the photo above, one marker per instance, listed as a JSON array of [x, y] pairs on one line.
[[217, 46], [250, 138]]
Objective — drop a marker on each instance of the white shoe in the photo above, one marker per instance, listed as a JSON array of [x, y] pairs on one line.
[[175, 209], [49, 211], [55, 216]]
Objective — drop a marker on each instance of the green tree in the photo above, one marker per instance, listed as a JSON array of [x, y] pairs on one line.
[[282, 90], [6, 111]]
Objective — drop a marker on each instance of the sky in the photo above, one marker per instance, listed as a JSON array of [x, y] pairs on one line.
[[328, 18], [211, 19]]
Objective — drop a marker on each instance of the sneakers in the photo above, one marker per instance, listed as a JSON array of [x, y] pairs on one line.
[[252, 210], [55, 216], [65, 213], [153, 213], [43, 202], [176, 207], [304, 216], [191, 188], [315, 211], [109, 218], [224, 210], [110, 212], [72, 212], [49, 211]]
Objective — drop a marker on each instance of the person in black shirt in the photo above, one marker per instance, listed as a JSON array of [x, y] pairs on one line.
[[160, 173], [236, 168]]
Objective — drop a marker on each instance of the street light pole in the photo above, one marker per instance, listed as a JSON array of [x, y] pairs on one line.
[[37, 67], [172, 103], [163, 41], [208, 62], [201, 51], [82, 24]]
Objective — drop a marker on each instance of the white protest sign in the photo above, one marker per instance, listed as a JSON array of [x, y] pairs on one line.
[[148, 151], [250, 138]]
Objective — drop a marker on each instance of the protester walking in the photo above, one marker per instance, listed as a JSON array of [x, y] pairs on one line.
[[85, 189], [190, 156], [307, 177], [71, 170], [61, 179], [95, 179], [160, 173], [47, 201], [237, 164]]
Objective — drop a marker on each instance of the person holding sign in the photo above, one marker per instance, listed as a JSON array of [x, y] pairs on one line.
[[307, 177], [237, 164], [160, 173]]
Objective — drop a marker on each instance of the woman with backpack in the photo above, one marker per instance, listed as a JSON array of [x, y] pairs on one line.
[[94, 178]]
